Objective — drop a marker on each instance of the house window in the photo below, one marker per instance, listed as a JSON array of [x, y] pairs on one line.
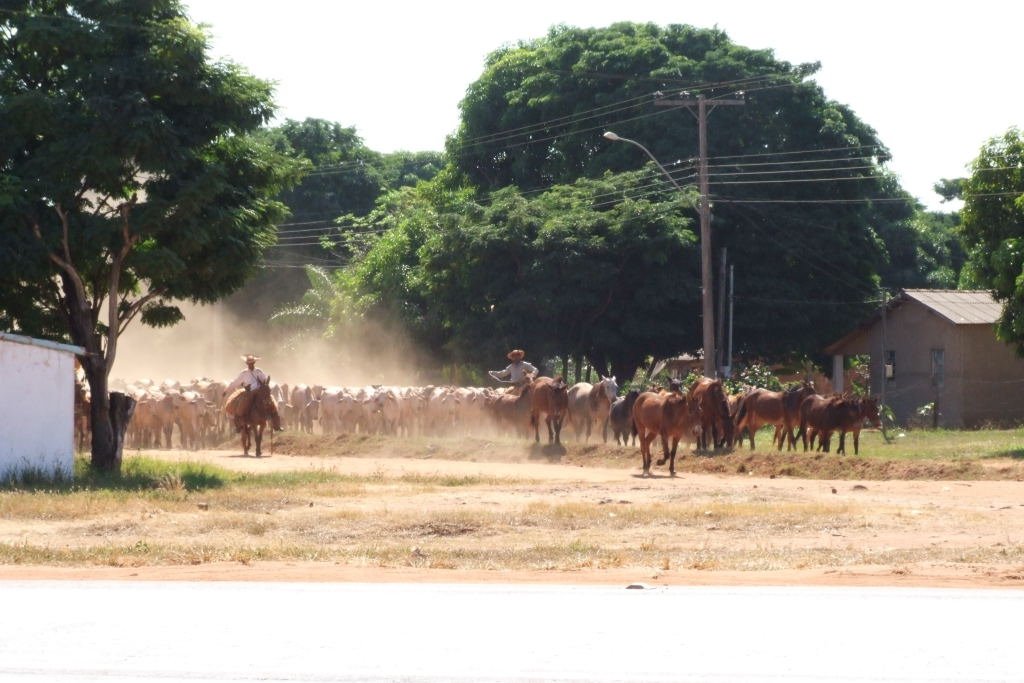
[[890, 365], [938, 367]]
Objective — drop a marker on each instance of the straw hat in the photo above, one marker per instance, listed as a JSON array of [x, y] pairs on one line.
[[250, 358], [516, 354]]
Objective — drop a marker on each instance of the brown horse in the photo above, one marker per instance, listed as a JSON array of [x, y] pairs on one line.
[[82, 414], [253, 419], [716, 420], [511, 410], [759, 407], [823, 416], [672, 416], [550, 397]]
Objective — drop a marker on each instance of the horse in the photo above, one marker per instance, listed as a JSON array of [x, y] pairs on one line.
[[511, 409], [620, 417], [716, 420], [823, 416], [672, 416], [867, 410], [588, 402], [253, 418], [550, 397], [759, 407], [83, 418]]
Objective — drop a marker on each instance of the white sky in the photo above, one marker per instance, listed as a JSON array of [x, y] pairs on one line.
[[935, 79]]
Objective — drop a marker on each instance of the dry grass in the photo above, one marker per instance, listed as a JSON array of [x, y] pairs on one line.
[[162, 513]]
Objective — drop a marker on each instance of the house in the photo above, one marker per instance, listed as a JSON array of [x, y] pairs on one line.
[[36, 406], [938, 348]]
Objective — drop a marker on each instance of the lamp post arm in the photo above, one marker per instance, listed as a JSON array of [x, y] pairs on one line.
[[653, 158]]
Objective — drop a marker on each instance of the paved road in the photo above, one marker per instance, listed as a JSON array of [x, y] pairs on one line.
[[68, 632]]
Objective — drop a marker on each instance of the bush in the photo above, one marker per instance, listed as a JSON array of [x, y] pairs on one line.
[[754, 374]]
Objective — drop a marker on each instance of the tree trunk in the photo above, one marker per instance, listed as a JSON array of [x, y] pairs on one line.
[[122, 407], [623, 370], [105, 456], [82, 329]]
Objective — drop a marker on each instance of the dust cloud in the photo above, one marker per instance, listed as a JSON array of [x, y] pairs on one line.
[[211, 341]]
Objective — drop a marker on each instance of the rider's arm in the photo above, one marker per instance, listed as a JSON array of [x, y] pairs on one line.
[[234, 385], [529, 368], [501, 374]]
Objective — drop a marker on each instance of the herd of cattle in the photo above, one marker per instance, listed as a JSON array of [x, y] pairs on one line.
[[702, 414]]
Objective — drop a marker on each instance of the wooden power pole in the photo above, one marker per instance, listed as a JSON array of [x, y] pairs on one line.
[[700, 107]]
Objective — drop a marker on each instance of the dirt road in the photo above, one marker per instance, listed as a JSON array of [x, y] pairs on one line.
[[693, 529]]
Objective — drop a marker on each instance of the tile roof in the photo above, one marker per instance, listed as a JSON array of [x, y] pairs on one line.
[[960, 307]]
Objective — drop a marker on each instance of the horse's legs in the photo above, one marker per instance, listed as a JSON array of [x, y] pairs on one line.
[[664, 448], [245, 441], [535, 422], [646, 440], [779, 437], [258, 429], [672, 457]]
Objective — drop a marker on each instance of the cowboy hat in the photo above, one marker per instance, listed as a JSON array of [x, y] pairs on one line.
[[250, 358], [516, 354]]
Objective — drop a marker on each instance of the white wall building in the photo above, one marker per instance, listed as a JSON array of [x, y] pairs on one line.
[[37, 411]]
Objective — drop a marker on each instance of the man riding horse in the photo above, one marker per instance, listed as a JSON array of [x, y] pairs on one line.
[[239, 394], [519, 372]]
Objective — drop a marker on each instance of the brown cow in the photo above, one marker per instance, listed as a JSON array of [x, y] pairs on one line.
[[759, 407], [670, 415], [550, 397]]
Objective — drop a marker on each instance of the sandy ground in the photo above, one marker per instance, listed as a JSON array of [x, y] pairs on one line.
[[967, 515]]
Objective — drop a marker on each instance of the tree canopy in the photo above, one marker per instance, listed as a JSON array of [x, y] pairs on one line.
[[344, 181], [801, 201], [130, 176], [604, 269], [993, 228]]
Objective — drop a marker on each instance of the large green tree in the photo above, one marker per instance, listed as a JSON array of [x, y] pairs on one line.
[[345, 180], [346, 177], [801, 200], [993, 229], [604, 269], [129, 178]]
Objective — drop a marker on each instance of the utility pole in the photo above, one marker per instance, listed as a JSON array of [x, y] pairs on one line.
[[728, 353], [707, 294], [885, 360], [720, 360]]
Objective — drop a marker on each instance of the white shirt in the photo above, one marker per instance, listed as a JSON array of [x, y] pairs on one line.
[[248, 378], [515, 371]]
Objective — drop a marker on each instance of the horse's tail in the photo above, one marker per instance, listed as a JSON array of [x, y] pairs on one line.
[[741, 411]]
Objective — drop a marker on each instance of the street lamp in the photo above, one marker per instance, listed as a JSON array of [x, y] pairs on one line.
[[706, 297]]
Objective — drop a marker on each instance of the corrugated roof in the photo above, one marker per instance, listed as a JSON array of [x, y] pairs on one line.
[[959, 307], [43, 343], [967, 307]]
